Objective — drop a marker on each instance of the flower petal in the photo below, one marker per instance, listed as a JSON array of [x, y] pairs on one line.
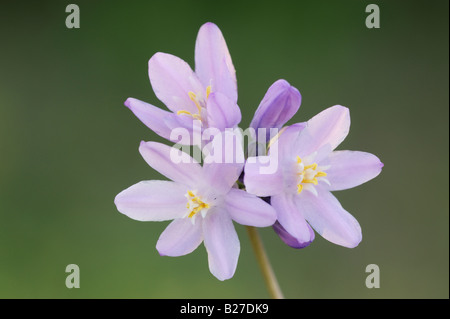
[[183, 129], [222, 112], [180, 238], [351, 168], [291, 217], [263, 176], [283, 142], [152, 201], [278, 106], [326, 215], [152, 116], [213, 63], [172, 79], [290, 240], [172, 163], [222, 244], [331, 126], [248, 209], [224, 163]]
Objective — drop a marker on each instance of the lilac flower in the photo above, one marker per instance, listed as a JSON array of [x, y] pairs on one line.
[[201, 200], [205, 98], [308, 170]]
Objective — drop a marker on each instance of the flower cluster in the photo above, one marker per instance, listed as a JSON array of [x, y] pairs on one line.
[[229, 184]]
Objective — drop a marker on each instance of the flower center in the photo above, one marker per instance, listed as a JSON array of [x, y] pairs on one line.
[[308, 175], [195, 205], [199, 103]]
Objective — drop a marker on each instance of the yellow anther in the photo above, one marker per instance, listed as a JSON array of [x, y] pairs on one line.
[[309, 175], [313, 166], [321, 174], [192, 95], [193, 212], [310, 181], [184, 112], [198, 204], [195, 116], [193, 98]]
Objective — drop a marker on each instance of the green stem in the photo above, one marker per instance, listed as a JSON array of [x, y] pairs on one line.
[[264, 264]]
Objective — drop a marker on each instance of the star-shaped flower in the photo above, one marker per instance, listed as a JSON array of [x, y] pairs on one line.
[[307, 171], [201, 200], [196, 100]]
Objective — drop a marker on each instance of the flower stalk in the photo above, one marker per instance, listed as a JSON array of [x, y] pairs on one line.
[[269, 276]]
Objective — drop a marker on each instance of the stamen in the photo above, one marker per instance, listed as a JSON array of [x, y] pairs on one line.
[[321, 174], [310, 181], [193, 212], [192, 95], [195, 116], [313, 166], [208, 91], [309, 175], [275, 138], [184, 112], [198, 204], [193, 98]]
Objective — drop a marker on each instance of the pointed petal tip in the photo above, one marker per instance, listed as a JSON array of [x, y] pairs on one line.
[[282, 82], [337, 107], [354, 243], [295, 91], [209, 24], [223, 278], [160, 57], [157, 55], [144, 145], [116, 201], [286, 84], [291, 90], [380, 166], [160, 253], [153, 61], [342, 108], [290, 240], [127, 102]]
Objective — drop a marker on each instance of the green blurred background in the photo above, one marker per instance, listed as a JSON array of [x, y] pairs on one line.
[[68, 145]]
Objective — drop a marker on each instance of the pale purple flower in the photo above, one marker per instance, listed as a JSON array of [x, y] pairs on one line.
[[205, 98], [308, 170], [201, 200]]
